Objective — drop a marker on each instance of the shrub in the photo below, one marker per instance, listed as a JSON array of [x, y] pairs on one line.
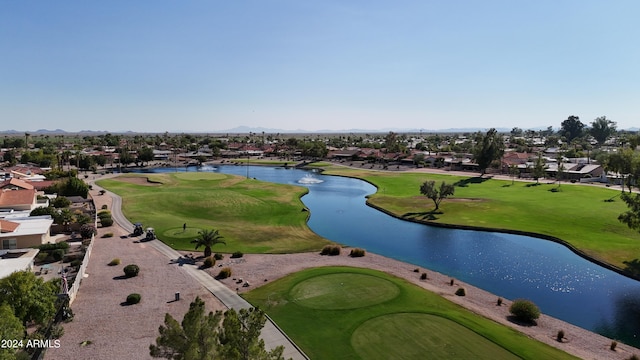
[[61, 245], [451, 282], [613, 345], [76, 263], [87, 231], [524, 310], [237, 254], [107, 235], [423, 276], [104, 213], [133, 298], [224, 273], [106, 222], [209, 262], [56, 331], [461, 292], [499, 302], [218, 256], [331, 250], [104, 207], [61, 202], [560, 335], [57, 254], [41, 256], [131, 270], [357, 252], [114, 262], [416, 270]]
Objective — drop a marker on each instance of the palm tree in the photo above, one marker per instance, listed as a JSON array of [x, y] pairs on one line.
[[208, 238]]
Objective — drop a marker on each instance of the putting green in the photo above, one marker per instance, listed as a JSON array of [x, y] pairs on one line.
[[343, 291], [422, 336]]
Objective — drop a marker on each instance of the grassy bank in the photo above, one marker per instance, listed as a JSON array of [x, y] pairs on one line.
[[349, 313], [583, 216], [253, 216]]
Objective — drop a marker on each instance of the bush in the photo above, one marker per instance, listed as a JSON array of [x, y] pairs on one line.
[[107, 235], [560, 335], [61, 245], [133, 298], [237, 254], [41, 256], [423, 276], [209, 262], [104, 207], [106, 222], [87, 231], [499, 302], [131, 270], [357, 252], [524, 310], [57, 254], [461, 292], [104, 213], [224, 273], [114, 262], [332, 250], [613, 345], [416, 270], [218, 256], [61, 202], [76, 263]]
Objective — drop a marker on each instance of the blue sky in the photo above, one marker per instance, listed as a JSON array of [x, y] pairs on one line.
[[205, 66]]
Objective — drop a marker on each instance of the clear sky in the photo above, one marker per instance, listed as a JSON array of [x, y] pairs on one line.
[[206, 65]]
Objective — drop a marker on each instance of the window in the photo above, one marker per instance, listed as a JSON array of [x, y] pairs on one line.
[[9, 244]]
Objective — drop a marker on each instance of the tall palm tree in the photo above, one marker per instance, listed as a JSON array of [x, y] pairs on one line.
[[208, 238]]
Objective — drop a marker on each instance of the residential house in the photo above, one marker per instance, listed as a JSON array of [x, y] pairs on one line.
[[24, 232]]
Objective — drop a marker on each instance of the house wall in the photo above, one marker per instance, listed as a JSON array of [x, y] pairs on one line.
[[27, 241]]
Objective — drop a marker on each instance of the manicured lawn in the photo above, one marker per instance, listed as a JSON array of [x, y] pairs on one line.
[[350, 313], [252, 216], [577, 214]]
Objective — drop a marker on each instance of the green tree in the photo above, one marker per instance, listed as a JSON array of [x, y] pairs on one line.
[[538, 170], [205, 337], [145, 154], [239, 336], [208, 238], [31, 298], [571, 128], [602, 128], [437, 194], [488, 147], [87, 231], [195, 339], [10, 329]]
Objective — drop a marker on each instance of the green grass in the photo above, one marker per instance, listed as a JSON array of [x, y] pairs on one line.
[[252, 216], [405, 322], [577, 214]]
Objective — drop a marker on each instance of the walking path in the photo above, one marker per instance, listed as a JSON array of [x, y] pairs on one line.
[[271, 334]]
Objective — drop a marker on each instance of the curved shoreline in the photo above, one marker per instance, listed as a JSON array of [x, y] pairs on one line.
[[568, 245]]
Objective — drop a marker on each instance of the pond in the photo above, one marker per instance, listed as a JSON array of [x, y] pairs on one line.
[[561, 283]]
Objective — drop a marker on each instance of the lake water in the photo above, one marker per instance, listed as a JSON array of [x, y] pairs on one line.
[[561, 283]]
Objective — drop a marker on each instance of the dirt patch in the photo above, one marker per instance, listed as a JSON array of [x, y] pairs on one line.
[[138, 180]]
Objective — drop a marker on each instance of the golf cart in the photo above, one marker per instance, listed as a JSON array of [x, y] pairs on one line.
[[137, 230], [151, 234]]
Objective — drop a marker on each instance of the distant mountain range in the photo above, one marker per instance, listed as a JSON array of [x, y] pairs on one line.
[[259, 130]]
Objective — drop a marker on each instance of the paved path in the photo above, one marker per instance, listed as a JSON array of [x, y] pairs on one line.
[[271, 334]]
